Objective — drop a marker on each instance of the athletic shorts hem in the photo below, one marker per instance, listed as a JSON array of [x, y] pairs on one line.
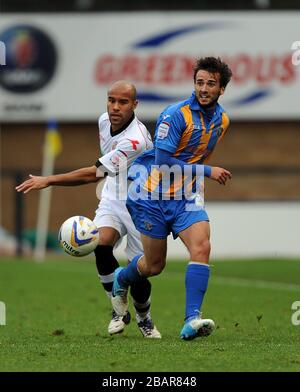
[[189, 224], [156, 236]]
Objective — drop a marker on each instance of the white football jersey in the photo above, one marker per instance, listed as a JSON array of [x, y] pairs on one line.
[[118, 151]]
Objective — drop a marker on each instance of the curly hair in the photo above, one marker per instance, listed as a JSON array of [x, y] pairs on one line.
[[214, 65]]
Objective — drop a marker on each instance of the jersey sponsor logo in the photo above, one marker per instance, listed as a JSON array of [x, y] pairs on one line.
[[163, 130]]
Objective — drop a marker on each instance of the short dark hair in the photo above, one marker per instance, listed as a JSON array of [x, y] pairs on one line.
[[214, 65]]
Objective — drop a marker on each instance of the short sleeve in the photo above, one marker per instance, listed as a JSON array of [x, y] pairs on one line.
[[126, 151], [169, 130]]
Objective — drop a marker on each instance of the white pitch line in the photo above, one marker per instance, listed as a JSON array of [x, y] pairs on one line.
[[260, 284]]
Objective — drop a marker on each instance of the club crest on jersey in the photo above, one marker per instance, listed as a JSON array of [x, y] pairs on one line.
[[163, 130]]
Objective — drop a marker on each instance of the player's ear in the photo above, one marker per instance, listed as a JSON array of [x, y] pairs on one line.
[[222, 90], [136, 102]]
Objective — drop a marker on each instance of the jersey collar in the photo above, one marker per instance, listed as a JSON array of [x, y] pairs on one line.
[[112, 134], [195, 105]]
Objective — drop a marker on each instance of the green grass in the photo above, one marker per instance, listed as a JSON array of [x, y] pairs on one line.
[[57, 318]]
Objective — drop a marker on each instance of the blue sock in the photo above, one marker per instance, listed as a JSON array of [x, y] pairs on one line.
[[130, 274], [196, 281]]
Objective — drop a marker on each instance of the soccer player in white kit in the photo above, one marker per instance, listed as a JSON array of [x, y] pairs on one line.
[[122, 139]]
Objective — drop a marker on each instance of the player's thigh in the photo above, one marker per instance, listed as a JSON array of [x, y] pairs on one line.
[[197, 240], [126, 226], [108, 236], [152, 247], [186, 214], [110, 227], [134, 244]]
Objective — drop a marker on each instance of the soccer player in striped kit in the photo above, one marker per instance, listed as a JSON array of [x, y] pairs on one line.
[[186, 135]]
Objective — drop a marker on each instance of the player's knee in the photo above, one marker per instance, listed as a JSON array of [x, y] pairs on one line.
[[200, 251], [157, 269], [156, 266], [106, 241]]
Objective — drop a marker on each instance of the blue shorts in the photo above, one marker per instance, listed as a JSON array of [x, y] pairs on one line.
[[158, 218]]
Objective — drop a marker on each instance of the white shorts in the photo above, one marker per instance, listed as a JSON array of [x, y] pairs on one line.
[[113, 213]]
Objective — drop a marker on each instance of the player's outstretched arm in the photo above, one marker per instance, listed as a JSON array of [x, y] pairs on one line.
[[77, 177], [219, 174], [34, 182]]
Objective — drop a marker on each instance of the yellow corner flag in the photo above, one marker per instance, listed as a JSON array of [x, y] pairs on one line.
[[53, 143], [52, 147]]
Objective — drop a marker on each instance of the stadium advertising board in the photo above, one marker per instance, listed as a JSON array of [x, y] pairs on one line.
[[61, 65]]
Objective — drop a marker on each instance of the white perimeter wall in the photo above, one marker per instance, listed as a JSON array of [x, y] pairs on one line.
[[267, 229]]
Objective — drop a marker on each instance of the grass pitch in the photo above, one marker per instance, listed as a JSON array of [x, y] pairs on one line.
[[57, 317]]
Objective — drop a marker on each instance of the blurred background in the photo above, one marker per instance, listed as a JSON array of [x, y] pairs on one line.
[[59, 58]]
